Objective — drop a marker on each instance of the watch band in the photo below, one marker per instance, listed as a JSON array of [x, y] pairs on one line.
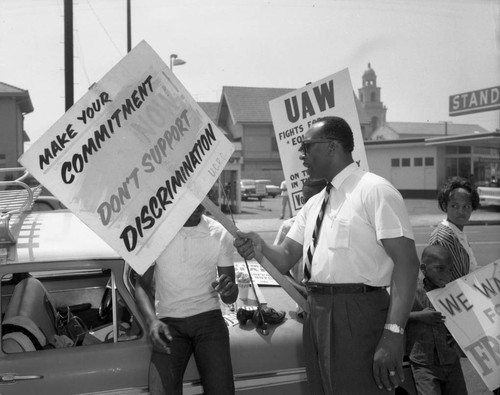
[[394, 328]]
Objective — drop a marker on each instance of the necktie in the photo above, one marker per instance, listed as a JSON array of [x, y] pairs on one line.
[[317, 227]]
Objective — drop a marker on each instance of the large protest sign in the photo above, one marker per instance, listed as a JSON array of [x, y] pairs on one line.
[[294, 113], [133, 157], [471, 305]]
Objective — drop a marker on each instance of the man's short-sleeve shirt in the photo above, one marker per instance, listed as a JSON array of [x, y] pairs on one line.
[[185, 270], [363, 209]]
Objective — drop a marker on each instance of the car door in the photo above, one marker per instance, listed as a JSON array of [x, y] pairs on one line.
[[117, 362]]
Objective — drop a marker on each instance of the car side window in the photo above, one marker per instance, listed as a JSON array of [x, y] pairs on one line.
[[63, 308]]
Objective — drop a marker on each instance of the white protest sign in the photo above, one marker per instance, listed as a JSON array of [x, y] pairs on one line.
[[294, 113], [133, 157], [471, 305], [259, 274]]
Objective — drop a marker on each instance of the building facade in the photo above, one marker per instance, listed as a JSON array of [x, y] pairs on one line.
[[15, 103], [416, 157]]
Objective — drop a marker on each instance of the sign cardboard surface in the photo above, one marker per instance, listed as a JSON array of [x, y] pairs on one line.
[[471, 305], [133, 157], [294, 113]]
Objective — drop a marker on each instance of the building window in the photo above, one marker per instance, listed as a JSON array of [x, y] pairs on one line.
[[451, 149], [429, 161], [418, 162], [395, 162], [463, 149], [3, 159], [405, 162], [372, 96]]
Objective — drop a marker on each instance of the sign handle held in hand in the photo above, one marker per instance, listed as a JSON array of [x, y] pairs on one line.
[[271, 269]]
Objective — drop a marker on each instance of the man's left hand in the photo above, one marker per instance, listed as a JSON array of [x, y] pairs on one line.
[[225, 286], [388, 361]]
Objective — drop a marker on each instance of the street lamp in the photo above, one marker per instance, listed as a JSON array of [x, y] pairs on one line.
[[175, 61]]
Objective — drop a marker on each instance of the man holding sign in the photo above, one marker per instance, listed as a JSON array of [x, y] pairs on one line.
[[186, 316], [361, 237]]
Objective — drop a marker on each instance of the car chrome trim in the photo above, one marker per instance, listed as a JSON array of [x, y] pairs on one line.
[[252, 381], [121, 391], [11, 378]]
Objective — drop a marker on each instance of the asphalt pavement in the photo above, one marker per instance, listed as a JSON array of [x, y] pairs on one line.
[[265, 215]]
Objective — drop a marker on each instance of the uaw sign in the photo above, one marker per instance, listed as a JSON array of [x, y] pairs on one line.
[[294, 113], [133, 157], [487, 99], [471, 305]]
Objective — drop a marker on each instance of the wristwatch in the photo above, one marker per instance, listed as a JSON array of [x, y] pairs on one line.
[[394, 328]]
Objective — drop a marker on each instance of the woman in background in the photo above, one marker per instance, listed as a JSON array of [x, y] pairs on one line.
[[458, 198]]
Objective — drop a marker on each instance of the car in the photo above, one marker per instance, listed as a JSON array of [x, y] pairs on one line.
[[489, 197], [70, 324], [47, 203], [271, 190], [250, 189]]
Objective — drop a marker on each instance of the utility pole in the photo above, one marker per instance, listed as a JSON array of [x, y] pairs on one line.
[[129, 27], [68, 53]]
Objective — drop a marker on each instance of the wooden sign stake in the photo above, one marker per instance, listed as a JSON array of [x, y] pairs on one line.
[[270, 268]]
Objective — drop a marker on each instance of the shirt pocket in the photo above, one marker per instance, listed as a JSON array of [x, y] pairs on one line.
[[340, 233]]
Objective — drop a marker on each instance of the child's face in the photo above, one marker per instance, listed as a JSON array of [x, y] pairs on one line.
[[459, 208], [438, 272]]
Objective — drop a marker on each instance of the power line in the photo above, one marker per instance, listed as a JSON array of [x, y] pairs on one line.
[[104, 28]]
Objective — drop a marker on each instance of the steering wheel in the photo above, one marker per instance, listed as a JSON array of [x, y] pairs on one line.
[[106, 303]]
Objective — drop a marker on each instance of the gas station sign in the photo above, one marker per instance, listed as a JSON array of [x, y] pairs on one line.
[[482, 100]]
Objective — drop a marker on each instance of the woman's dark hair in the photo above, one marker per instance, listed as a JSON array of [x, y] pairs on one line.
[[455, 183]]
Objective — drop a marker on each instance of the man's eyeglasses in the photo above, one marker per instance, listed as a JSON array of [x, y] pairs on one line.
[[304, 147]]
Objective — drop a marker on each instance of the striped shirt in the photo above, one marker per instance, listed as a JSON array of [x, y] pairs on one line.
[[448, 236]]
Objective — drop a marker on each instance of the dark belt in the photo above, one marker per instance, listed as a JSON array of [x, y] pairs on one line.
[[332, 289]]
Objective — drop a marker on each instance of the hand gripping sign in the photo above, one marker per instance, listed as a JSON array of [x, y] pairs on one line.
[[471, 305], [133, 158]]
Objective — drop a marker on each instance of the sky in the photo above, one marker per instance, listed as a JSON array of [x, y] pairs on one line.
[[422, 51]]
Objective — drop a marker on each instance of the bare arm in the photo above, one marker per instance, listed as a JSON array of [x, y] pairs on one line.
[[389, 352], [283, 257], [427, 316], [157, 330], [144, 295]]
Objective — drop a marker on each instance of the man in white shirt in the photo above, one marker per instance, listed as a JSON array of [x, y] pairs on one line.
[[363, 243], [179, 296]]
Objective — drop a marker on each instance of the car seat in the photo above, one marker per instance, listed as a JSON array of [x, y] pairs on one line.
[[30, 319]]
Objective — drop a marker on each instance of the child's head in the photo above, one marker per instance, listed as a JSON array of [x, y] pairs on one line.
[[436, 265], [458, 198]]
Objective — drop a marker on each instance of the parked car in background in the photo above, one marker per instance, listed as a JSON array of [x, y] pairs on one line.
[[250, 189], [271, 190], [489, 195]]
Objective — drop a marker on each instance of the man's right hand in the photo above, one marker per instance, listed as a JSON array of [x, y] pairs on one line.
[[249, 245], [160, 336]]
